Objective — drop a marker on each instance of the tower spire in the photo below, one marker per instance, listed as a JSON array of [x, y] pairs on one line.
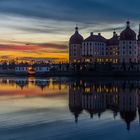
[[76, 28], [128, 24], [114, 33]]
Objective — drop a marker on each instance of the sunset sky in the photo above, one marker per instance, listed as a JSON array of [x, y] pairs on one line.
[[42, 28]]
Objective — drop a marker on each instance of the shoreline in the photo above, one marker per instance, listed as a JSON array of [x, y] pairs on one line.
[[123, 74]]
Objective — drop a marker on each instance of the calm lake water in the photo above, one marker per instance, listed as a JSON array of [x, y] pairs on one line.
[[69, 109]]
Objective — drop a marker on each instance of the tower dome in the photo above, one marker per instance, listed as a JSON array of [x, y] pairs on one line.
[[76, 38], [128, 33]]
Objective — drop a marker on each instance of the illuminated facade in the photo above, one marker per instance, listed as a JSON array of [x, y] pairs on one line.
[[96, 49], [93, 48]]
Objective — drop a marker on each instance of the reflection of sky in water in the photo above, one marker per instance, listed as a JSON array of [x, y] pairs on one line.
[[29, 111], [32, 87]]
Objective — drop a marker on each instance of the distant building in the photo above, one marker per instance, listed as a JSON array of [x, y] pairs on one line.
[[119, 49], [21, 68], [41, 68], [60, 67]]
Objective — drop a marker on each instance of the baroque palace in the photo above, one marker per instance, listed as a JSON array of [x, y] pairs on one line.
[[123, 48]]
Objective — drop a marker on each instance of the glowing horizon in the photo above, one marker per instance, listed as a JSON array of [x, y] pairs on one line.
[[41, 29]]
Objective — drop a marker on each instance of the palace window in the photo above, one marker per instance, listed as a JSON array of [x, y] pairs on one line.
[[74, 53], [87, 60]]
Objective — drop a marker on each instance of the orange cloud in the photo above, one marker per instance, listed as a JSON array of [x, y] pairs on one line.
[[34, 50]]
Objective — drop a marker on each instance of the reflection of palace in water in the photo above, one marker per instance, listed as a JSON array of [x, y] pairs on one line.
[[122, 98]]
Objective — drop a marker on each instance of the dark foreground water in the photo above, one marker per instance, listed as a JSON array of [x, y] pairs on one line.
[[69, 109]]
